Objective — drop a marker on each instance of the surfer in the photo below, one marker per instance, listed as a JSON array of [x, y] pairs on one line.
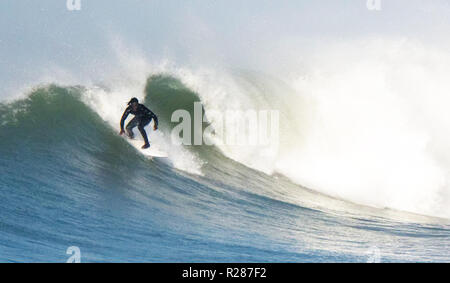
[[142, 117]]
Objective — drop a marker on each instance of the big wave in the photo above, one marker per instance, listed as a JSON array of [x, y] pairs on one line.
[[371, 132]]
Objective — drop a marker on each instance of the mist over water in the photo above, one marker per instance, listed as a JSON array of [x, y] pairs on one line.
[[378, 128]]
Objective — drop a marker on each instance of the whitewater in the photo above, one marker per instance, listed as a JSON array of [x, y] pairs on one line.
[[361, 172]]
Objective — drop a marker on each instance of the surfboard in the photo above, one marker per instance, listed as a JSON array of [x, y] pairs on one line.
[[153, 151]]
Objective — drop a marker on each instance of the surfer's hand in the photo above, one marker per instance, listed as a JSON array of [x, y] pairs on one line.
[[122, 132], [155, 128]]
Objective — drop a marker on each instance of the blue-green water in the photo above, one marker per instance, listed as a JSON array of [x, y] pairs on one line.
[[67, 179]]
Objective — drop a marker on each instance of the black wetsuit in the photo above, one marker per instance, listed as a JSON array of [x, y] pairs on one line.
[[142, 117]]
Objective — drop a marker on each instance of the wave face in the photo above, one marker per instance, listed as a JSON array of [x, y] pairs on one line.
[[393, 156], [67, 179]]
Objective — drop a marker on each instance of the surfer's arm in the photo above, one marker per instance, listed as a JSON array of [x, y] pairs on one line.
[[124, 117], [152, 116], [156, 119]]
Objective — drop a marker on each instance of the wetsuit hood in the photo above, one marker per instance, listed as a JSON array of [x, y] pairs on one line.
[[134, 99]]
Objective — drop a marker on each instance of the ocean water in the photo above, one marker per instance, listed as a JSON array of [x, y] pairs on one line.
[[69, 180], [361, 172]]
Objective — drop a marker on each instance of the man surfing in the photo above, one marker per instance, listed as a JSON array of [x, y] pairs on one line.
[[142, 117]]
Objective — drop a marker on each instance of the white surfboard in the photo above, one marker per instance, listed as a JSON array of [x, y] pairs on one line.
[[153, 151]]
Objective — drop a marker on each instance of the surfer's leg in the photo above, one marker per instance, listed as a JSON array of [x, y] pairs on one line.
[[141, 125], [133, 123]]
